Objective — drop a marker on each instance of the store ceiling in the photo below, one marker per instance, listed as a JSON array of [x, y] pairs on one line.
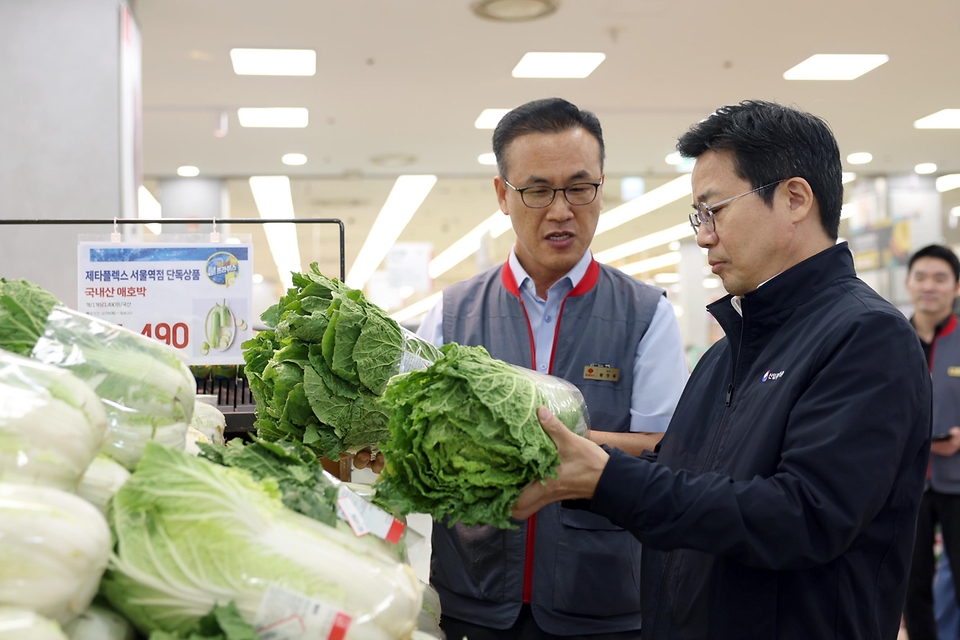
[[407, 80]]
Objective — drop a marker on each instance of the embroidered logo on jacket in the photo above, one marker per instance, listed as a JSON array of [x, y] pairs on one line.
[[771, 376]]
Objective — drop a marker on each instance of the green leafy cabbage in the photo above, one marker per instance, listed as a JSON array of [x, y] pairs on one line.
[[465, 439], [317, 375]]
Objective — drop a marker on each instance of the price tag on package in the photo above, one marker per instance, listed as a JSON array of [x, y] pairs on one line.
[[365, 518], [287, 615]]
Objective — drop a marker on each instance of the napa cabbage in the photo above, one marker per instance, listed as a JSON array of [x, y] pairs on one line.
[[23, 624], [102, 479], [191, 534], [147, 390], [53, 550], [51, 424]]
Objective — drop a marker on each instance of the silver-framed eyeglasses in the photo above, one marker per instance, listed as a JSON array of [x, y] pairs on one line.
[[540, 197], [704, 213]]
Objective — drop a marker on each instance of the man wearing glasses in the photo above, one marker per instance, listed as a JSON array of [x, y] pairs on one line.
[[782, 502], [553, 308]]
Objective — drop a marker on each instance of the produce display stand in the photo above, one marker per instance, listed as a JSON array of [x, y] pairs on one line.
[[233, 395]]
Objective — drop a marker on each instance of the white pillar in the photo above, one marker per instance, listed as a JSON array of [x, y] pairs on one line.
[[60, 131], [693, 296]]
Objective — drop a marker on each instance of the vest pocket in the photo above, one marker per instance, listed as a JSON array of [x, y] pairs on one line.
[[598, 566], [470, 561]]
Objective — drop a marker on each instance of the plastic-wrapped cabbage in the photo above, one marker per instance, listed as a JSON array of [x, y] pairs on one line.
[[23, 624], [53, 550], [99, 623], [209, 421], [147, 390], [191, 534], [194, 439], [103, 479], [51, 424]]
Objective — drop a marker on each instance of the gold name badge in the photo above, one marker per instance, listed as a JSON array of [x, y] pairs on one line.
[[601, 372], [953, 372]]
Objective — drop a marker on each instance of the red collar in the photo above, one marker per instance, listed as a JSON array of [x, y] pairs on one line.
[[588, 282]]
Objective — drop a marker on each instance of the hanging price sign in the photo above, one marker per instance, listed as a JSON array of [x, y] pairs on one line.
[[194, 297]]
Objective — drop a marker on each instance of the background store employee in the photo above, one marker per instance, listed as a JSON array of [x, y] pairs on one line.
[[782, 502], [933, 281], [553, 308]]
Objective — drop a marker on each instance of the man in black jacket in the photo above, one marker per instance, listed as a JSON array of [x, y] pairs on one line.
[[782, 503]]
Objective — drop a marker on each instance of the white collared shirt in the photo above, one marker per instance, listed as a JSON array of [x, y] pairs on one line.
[[660, 367]]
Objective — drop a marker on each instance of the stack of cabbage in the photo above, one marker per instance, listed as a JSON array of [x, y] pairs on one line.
[[465, 438], [146, 388], [53, 544], [317, 376]]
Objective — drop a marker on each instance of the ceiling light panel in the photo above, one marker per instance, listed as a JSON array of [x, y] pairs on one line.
[[417, 308], [943, 119], [848, 176], [539, 64], [275, 201], [274, 117], [925, 168], [405, 198], [827, 66], [489, 118], [860, 157], [948, 182], [274, 62], [487, 159], [148, 209], [188, 171], [652, 264], [294, 159], [646, 242]]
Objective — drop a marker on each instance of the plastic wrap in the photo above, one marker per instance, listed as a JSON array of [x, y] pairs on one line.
[[23, 624], [146, 388], [53, 550], [465, 439], [101, 481], [191, 533], [51, 424], [417, 353]]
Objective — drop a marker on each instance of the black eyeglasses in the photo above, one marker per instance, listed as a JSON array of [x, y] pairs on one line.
[[540, 197], [705, 213]]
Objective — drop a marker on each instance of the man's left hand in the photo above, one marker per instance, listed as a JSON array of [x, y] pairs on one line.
[[581, 465], [947, 448]]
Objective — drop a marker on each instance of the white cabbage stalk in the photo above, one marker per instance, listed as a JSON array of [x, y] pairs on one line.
[[103, 479], [125, 442], [23, 624], [209, 421], [99, 623], [192, 534], [194, 436], [51, 424], [53, 550]]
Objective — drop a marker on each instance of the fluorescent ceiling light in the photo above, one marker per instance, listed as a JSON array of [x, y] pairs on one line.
[[148, 209], [274, 200], [943, 119], [496, 225], [860, 157], [645, 243], [673, 159], [274, 62], [489, 118], [257, 278], [848, 176], [955, 212], [487, 159], [846, 211], [948, 182], [925, 168], [405, 198], [274, 117], [294, 159], [188, 171], [651, 264], [538, 64], [417, 308], [711, 283], [650, 201], [827, 66]]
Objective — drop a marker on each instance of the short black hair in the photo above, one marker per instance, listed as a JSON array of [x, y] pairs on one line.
[[771, 142], [940, 252], [550, 115]]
